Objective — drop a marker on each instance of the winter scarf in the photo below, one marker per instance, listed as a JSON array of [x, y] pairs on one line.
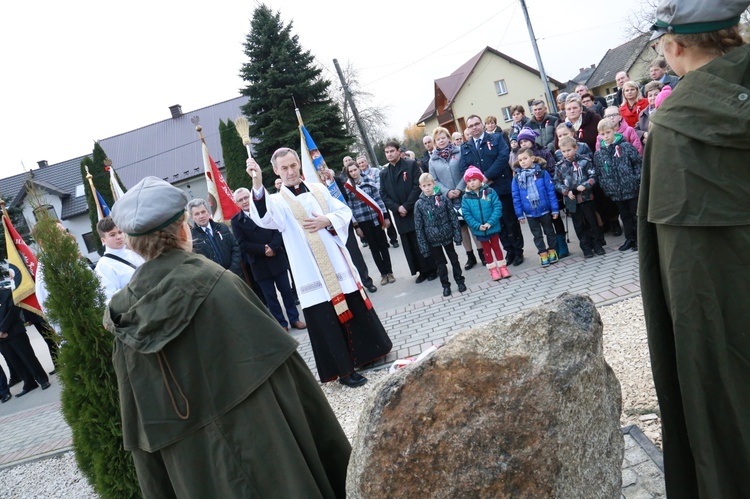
[[445, 153], [526, 179]]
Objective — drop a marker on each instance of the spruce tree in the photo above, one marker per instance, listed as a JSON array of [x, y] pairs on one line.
[[100, 176], [90, 401], [278, 70], [234, 154]]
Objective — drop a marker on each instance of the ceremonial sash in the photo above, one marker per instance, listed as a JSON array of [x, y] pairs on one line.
[[365, 198], [330, 279]]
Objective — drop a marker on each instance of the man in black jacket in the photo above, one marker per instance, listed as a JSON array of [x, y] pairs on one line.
[[490, 153], [16, 347], [263, 249], [212, 239], [399, 188]]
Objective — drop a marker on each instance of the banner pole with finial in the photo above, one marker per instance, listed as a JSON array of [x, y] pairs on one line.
[[90, 178]]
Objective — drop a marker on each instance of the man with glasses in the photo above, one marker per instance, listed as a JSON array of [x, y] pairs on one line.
[[490, 153]]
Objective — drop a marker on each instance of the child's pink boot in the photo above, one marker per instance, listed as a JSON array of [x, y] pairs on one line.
[[494, 273]]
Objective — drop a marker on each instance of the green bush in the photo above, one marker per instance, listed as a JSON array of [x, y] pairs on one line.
[[90, 402]]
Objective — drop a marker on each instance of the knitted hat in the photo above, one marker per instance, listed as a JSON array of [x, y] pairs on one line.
[[150, 205], [473, 172], [528, 134], [665, 91], [514, 137]]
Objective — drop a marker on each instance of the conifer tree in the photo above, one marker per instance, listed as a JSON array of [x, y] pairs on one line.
[[100, 176], [278, 70], [90, 401], [234, 154]]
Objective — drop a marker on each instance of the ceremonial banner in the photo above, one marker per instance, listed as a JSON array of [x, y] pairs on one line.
[[22, 266], [117, 191], [222, 203], [313, 163], [102, 210]]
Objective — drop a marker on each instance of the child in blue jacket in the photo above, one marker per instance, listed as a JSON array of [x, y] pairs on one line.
[[534, 199], [482, 209]]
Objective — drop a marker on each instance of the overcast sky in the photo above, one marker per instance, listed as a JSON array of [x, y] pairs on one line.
[[78, 71]]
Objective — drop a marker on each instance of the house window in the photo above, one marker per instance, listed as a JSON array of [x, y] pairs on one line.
[[38, 212], [500, 87], [90, 242], [507, 114], [79, 191]]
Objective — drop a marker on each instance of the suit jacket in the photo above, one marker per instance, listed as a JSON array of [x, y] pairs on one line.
[[399, 186], [252, 241], [492, 158], [229, 253]]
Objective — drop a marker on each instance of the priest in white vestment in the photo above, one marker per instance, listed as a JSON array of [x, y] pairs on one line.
[[345, 332]]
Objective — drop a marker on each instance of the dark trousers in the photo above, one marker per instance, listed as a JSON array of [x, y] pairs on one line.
[[586, 226], [628, 209], [268, 287], [357, 258], [20, 354], [378, 244], [438, 255], [4, 388], [539, 224], [510, 232], [417, 263], [392, 234]]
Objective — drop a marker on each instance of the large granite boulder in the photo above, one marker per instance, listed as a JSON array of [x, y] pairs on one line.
[[523, 407]]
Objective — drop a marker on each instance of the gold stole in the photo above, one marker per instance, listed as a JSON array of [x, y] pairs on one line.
[[320, 254]]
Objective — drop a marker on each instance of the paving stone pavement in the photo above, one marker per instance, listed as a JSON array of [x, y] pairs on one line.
[[416, 326]]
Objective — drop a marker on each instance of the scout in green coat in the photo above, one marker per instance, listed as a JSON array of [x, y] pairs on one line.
[[693, 237], [215, 401]]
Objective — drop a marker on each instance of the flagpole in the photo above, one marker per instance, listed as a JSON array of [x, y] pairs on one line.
[[90, 178]]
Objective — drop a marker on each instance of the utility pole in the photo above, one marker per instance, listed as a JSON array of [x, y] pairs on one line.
[[357, 120], [550, 97]]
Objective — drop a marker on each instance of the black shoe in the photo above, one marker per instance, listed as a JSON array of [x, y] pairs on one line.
[[24, 392], [629, 243], [13, 382], [6, 397], [509, 257], [616, 229], [432, 276], [587, 253], [356, 376], [54, 371], [421, 278], [394, 244], [599, 251], [518, 260], [371, 288], [471, 262], [447, 291], [352, 382], [461, 287], [635, 246], [45, 385]]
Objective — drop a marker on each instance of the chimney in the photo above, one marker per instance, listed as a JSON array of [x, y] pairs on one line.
[[176, 110], [580, 70], [593, 66], [43, 163]]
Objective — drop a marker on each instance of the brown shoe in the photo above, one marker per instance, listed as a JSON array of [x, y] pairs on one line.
[[299, 325], [391, 279], [384, 280]]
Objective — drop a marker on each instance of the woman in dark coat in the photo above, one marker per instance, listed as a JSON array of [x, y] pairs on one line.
[[693, 222], [215, 400]]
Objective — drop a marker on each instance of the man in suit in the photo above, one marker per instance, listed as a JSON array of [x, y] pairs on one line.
[[16, 347], [212, 239], [658, 72], [263, 249], [490, 153], [399, 188]]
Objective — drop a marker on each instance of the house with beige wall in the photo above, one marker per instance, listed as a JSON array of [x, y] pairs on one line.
[[489, 83]]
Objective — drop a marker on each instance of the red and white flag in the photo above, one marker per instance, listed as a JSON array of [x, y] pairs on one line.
[[222, 203]]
